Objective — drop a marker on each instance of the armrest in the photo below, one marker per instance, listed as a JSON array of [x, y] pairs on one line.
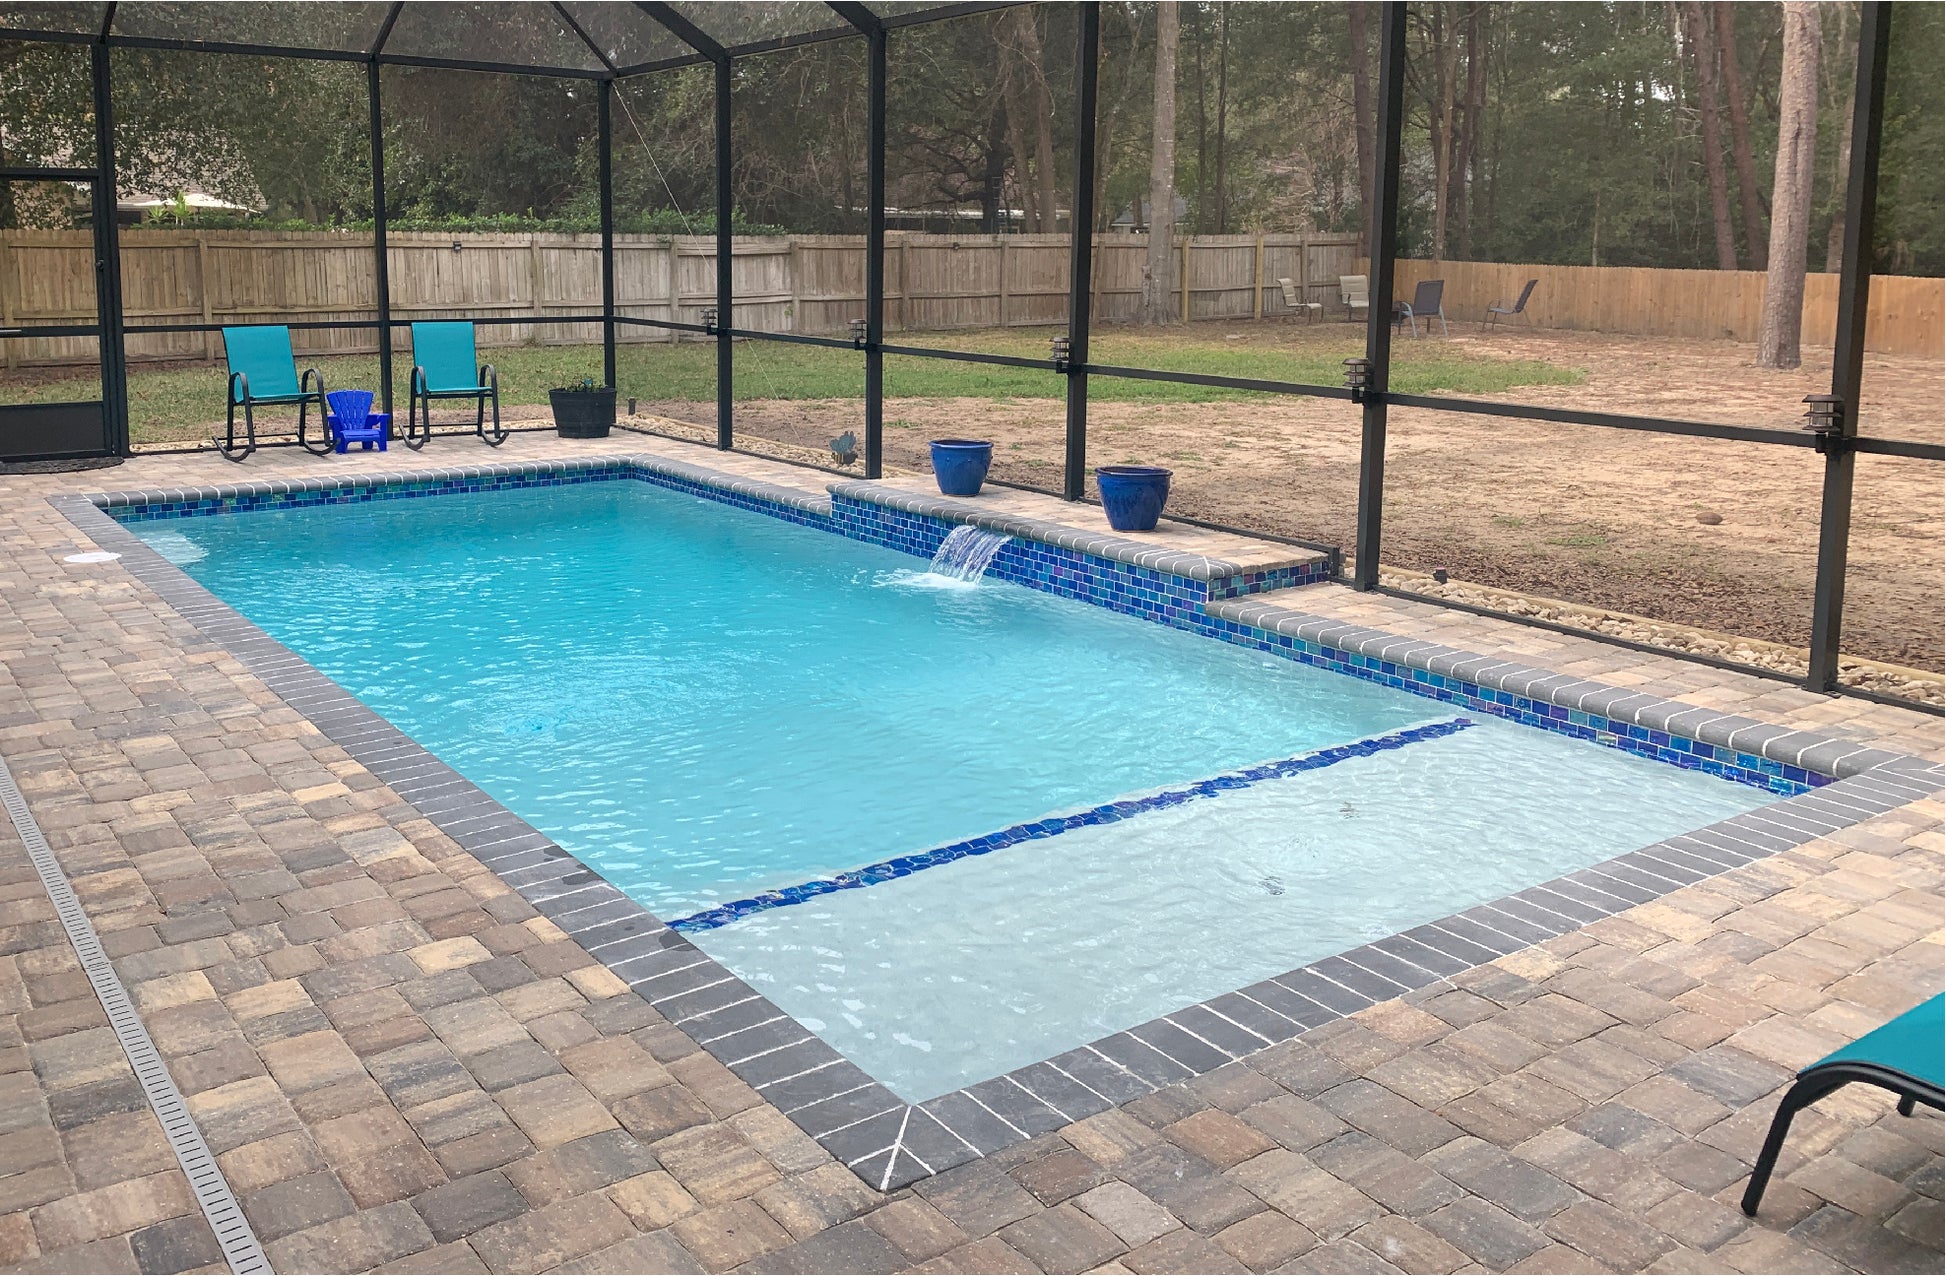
[[239, 382]]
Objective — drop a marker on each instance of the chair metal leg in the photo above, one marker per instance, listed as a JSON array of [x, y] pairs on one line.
[[1807, 1091], [1905, 1105], [413, 438]]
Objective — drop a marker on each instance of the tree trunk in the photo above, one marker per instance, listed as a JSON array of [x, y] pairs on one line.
[[1014, 70], [1834, 243], [1033, 104], [1753, 210], [1222, 123], [1702, 46], [1444, 55], [1364, 111], [1158, 280], [1472, 111], [1782, 318], [1202, 130]]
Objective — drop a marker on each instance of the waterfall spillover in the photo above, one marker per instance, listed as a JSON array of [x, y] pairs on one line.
[[966, 553]]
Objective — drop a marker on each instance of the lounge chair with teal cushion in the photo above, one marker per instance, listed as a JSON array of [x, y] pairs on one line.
[[1906, 1056], [445, 366], [263, 372]]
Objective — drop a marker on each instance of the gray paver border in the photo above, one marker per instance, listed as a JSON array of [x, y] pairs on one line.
[[891, 1143]]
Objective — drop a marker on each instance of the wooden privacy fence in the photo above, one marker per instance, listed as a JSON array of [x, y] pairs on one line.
[[1907, 314], [816, 284], [794, 283]]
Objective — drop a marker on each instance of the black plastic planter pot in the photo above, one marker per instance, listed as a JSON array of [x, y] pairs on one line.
[[583, 414]]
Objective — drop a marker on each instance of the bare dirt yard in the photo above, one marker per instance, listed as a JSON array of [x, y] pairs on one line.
[[1705, 533]]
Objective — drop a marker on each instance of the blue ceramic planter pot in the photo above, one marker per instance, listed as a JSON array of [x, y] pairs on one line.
[[1132, 495], [960, 465]]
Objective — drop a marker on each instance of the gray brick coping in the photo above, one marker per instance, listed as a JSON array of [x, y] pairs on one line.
[[1836, 758], [1120, 549], [889, 1142]]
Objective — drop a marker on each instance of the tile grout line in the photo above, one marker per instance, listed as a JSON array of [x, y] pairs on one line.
[[241, 1249]]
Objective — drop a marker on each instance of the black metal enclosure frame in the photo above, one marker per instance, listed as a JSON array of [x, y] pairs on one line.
[[1833, 435]]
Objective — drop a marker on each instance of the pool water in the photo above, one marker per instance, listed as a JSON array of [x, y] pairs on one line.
[[706, 704]]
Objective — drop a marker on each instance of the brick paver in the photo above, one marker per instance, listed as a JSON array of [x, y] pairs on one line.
[[402, 1067]]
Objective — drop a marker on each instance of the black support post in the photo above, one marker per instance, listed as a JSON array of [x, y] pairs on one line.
[[1848, 353], [381, 265], [1384, 241], [606, 140], [875, 253], [725, 278], [1081, 248], [108, 263]]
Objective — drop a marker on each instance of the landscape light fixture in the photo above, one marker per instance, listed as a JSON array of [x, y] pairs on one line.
[[860, 330], [1358, 378], [1826, 419], [1062, 350], [709, 320]]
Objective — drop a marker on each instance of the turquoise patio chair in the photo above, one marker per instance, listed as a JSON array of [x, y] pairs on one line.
[[263, 373], [1906, 1056], [445, 366]]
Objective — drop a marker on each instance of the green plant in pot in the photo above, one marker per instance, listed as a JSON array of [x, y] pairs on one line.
[[584, 411]]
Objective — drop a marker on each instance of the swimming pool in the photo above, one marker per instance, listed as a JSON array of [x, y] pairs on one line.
[[838, 774]]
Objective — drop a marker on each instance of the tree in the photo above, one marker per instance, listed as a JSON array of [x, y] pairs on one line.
[[1782, 316], [1158, 290], [1364, 109], [1702, 44], [1753, 210]]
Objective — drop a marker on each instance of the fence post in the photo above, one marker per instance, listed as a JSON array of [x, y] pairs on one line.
[[1003, 281], [107, 243], [875, 74], [675, 286], [381, 266], [1187, 242], [1081, 250], [536, 279], [1848, 354], [605, 179], [202, 291], [9, 289], [1378, 314], [1257, 293], [725, 262]]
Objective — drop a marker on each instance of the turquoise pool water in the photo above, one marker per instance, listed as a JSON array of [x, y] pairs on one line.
[[704, 703]]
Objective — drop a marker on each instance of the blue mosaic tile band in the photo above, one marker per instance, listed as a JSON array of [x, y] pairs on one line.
[[1068, 573], [1055, 825], [1162, 597]]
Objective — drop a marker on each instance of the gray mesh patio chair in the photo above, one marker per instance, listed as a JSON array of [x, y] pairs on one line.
[[1354, 293], [1295, 305], [1426, 304], [1496, 312]]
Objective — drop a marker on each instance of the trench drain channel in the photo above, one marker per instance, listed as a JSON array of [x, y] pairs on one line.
[[241, 1249]]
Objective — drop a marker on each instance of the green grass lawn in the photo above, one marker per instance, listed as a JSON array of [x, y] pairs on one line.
[[180, 403]]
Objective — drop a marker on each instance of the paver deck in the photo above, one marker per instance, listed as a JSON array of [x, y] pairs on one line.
[[402, 1067]]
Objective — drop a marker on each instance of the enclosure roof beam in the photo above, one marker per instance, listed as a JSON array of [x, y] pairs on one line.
[[385, 30], [792, 41], [866, 22], [944, 12], [683, 29], [226, 46], [665, 64], [592, 46], [107, 20], [502, 68]]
